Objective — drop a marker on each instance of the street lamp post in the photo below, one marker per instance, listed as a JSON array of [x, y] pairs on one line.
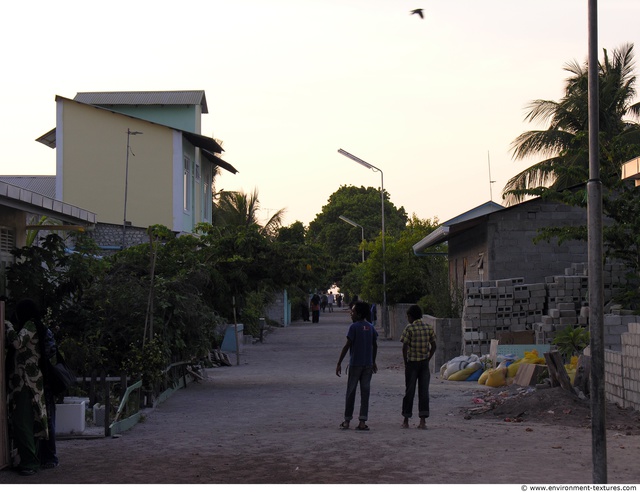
[[595, 247], [126, 185], [349, 221], [385, 325]]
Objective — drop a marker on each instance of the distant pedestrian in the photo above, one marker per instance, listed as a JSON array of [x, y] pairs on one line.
[[324, 300], [339, 300], [315, 308], [418, 346], [363, 347], [304, 309], [330, 300]]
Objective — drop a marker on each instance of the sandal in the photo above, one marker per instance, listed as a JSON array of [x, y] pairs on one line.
[[344, 425], [365, 428]]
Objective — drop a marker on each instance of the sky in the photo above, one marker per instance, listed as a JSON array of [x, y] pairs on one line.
[[435, 103]]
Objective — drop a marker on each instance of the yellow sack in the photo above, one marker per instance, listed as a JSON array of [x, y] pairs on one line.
[[513, 368], [484, 376], [533, 357], [571, 368], [463, 374], [497, 378]]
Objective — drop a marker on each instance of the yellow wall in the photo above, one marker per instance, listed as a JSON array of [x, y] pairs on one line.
[[94, 154]]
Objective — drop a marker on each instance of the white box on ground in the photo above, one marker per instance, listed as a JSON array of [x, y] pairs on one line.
[[70, 417], [98, 414]]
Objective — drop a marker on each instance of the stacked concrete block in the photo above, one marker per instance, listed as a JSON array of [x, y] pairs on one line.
[[492, 307], [479, 315], [631, 365], [613, 377], [613, 279], [566, 297]]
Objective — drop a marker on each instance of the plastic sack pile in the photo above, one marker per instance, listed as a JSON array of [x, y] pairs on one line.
[[474, 368]]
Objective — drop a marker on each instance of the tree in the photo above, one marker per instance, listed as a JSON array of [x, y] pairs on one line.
[[564, 144], [410, 278], [563, 174], [236, 208], [340, 241]]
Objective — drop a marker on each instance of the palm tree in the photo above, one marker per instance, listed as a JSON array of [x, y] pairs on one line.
[[236, 208], [564, 144]]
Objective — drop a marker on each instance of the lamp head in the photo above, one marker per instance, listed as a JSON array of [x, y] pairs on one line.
[[357, 159]]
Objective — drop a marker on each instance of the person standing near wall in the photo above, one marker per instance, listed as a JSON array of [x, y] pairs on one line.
[[25, 385], [418, 346]]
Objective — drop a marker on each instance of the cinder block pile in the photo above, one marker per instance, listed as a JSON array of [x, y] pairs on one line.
[[566, 304], [491, 307], [494, 306]]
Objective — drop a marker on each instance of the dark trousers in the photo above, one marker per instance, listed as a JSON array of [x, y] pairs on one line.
[[315, 316], [358, 375], [47, 448], [22, 430], [416, 373]]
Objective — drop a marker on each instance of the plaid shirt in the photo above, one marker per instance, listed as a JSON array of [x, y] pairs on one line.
[[419, 336]]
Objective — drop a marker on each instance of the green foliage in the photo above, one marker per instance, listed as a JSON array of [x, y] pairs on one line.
[[238, 209], [571, 341], [564, 145], [341, 242], [147, 363], [254, 309], [409, 278]]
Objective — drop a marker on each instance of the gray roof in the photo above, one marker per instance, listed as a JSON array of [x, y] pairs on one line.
[[43, 185], [144, 98], [462, 221], [201, 141], [29, 201]]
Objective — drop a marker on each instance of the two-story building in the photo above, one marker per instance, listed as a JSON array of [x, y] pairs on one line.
[[136, 159]]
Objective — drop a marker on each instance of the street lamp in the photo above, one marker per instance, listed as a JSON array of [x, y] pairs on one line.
[[126, 185], [595, 247], [349, 221], [385, 325]]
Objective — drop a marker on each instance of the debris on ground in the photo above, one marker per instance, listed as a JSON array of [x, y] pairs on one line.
[[554, 406]]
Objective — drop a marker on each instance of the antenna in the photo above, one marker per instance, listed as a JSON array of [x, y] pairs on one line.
[[490, 182]]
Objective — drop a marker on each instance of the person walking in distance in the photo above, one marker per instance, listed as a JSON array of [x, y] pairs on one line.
[[315, 308], [418, 346], [363, 347]]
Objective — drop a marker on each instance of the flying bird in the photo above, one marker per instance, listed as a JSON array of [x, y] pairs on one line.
[[419, 12]]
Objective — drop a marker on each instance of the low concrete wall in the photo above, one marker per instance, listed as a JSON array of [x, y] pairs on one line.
[[448, 330], [622, 370]]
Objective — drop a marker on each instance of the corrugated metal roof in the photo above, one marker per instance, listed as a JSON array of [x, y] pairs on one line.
[[30, 201], [442, 233], [142, 98], [205, 143], [43, 185]]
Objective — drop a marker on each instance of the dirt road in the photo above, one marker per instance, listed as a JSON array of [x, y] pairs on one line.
[[274, 419]]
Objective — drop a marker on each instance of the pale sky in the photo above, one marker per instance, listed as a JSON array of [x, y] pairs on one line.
[[288, 82]]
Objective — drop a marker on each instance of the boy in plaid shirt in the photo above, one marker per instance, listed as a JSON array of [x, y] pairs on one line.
[[418, 346]]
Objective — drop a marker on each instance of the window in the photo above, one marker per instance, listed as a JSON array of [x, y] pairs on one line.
[[7, 243], [186, 185], [198, 171], [206, 197]]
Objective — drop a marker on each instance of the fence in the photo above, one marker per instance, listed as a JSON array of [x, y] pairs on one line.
[[132, 398]]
